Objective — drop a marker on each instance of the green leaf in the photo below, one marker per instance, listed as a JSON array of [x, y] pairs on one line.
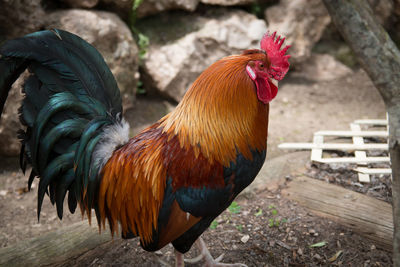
[[140, 89], [274, 212], [271, 207], [258, 213], [234, 208], [143, 44], [318, 245], [239, 227], [136, 4], [271, 222], [213, 225], [336, 256], [143, 41]]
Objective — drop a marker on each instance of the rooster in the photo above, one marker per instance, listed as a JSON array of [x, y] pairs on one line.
[[168, 183]]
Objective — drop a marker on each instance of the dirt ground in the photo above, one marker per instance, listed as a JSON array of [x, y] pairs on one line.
[[267, 230]]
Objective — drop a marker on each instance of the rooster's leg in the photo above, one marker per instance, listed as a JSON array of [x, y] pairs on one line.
[[210, 262], [179, 259]]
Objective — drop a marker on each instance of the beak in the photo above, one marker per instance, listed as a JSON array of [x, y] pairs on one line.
[[274, 82]]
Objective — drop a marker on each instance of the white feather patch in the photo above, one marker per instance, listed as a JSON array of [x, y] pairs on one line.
[[250, 72], [113, 136]]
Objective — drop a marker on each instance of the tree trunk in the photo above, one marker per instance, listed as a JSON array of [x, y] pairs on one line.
[[380, 58]]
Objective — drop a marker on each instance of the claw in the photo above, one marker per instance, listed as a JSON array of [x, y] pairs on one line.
[[194, 260], [204, 254], [220, 257], [163, 263], [209, 261]]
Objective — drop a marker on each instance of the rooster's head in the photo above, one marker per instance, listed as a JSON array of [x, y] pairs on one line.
[[267, 73]]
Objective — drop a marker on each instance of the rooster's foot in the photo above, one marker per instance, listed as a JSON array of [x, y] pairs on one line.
[[209, 261]]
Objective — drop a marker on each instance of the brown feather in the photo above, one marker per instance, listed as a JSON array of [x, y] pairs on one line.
[[134, 181], [219, 117], [179, 222]]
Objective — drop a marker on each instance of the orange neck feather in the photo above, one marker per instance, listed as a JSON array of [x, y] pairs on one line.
[[220, 115]]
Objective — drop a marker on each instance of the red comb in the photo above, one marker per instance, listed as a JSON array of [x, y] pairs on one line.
[[279, 61]]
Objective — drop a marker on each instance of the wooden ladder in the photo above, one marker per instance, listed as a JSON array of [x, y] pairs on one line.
[[358, 145]]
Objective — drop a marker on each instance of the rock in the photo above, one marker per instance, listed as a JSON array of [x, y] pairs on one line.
[[302, 22], [300, 251], [317, 256], [383, 10], [177, 55], [312, 232], [273, 173], [228, 2], [245, 238], [110, 35], [20, 17], [397, 7], [81, 3], [149, 7], [121, 7], [9, 123]]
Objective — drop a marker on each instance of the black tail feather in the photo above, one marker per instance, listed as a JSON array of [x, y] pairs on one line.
[[31, 177], [72, 199], [70, 98]]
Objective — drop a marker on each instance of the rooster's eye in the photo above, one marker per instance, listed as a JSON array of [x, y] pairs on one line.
[[261, 65]]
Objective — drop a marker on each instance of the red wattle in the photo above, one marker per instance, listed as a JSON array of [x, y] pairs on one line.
[[266, 91], [274, 89]]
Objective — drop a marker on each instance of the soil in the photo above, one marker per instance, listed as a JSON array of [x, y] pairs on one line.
[[279, 233], [267, 230], [380, 186]]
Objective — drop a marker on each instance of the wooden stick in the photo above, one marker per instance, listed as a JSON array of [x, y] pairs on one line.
[[353, 160], [353, 133], [316, 153], [334, 146], [374, 170], [361, 155], [372, 122]]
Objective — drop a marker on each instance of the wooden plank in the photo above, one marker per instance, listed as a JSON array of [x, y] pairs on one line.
[[333, 146], [358, 140], [365, 215], [353, 133], [374, 170], [353, 160], [54, 247], [363, 178], [372, 122], [360, 155], [316, 153]]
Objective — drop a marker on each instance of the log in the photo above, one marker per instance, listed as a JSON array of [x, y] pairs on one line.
[[365, 215], [55, 247]]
